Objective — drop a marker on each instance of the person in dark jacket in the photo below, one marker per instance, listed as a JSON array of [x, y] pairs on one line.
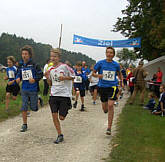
[[30, 74], [151, 103]]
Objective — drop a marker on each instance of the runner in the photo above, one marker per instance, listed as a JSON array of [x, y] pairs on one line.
[[107, 70], [93, 85], [58, 77], [12, 87], [79, 85], [30, 74]]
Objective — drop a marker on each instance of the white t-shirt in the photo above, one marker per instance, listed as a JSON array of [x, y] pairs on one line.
[[45, 70], [60, 88], [94, 80]]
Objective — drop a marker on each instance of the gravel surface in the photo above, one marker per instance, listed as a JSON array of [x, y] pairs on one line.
[[84, 136]]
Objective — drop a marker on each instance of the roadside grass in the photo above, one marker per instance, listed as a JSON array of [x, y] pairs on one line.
[[14, 106], [140, 136]]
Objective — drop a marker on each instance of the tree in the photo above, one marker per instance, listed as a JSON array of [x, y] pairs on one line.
[[145, 19], [126, 57]]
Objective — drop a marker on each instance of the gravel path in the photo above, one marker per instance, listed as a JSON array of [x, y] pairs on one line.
[[84, 136]]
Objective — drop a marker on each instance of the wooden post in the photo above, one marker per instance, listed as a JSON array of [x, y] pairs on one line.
[[60, 37]]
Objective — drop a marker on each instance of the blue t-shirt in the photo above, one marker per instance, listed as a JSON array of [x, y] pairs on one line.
[[11, 73], [109, 71]]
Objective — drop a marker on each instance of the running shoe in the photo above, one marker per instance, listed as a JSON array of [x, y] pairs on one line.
[[75, 104], [108, 132], [23, 128], [59, 139], [82, 107]]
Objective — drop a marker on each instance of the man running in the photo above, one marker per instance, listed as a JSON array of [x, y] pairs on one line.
[[107, 70]]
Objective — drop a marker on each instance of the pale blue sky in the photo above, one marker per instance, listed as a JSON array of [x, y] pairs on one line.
[[41, 19]]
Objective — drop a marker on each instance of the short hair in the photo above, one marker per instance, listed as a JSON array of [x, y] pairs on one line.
[[141, 63], [79, 63], [152, 94], [111, 49], [29, 49], [12, 59], [163, 85], [56, 51]]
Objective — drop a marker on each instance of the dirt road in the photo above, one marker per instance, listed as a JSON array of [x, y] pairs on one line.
[[84, 136]]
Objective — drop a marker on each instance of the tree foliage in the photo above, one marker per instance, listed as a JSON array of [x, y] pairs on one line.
[[10, 45], [126, 57], [145, 19]]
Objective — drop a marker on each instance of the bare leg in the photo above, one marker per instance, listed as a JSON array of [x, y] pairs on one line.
[[77, 95], [105, 107], [24, 117], [56, 123], [7, 100], [110, 113], [95, 95]]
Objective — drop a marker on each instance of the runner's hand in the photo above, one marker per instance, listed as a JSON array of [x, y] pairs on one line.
[[61, 78], [31, 80], [47, 74], [18, 80], [100, 76], [10, 82]]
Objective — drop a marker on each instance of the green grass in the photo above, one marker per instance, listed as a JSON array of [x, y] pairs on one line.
[[140, 137], [14, 106]]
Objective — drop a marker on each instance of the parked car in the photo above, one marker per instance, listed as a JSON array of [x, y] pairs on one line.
[[2, 68]]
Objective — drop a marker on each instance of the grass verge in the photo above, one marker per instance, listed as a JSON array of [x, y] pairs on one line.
[[140, 137], [14, 106]]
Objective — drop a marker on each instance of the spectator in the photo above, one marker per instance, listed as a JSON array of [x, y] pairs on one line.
[[139, 73], [151, 103], [161, 106], [159, 75]]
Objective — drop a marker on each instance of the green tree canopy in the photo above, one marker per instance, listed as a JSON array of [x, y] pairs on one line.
[[126, 57], [145, 19]]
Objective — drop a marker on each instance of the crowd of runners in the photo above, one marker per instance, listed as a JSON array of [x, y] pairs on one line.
[[64, 83]]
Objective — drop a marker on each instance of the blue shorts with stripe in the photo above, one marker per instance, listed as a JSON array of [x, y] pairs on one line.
[[108, 93]]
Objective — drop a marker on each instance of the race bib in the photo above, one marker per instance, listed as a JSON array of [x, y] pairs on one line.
[[11, 74], [78, 79], [26, 74], [55, 79], [109, 75]]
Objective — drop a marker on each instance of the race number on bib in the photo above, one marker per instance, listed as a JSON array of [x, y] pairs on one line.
[[56, 81], [78, 79], [109, 75], [11, 74], [26, 74]]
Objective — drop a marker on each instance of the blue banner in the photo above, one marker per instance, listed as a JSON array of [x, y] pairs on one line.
[[134, 42]]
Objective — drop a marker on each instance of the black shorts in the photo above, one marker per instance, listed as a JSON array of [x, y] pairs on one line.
[[92, 88], [14, 89], [59, 105], [82, 92], [109, 93]]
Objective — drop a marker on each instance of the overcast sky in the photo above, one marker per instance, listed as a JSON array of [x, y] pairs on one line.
[[41, 20]]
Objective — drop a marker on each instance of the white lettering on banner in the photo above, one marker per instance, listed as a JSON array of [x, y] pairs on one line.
[[78, 79], [11, 74], [109, 75], [55, 79], [26, 74], [104, 43]]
